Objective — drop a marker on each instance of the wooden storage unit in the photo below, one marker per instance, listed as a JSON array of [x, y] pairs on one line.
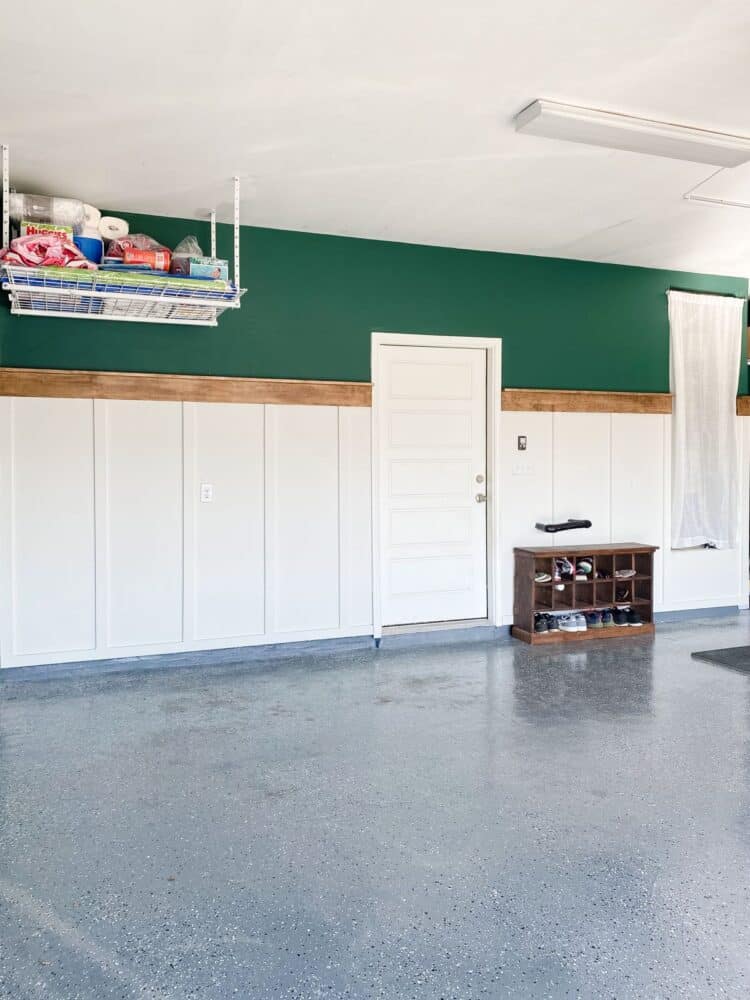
[[530, 597]]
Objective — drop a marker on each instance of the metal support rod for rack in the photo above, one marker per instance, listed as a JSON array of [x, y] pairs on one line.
[[236, 232], [6, 197], [213, 234]]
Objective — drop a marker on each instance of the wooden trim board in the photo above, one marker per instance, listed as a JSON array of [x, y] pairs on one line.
[[585, 401], [77, 384], [186, 388]]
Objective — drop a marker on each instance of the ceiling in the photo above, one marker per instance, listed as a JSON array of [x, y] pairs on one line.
[[386, 119]]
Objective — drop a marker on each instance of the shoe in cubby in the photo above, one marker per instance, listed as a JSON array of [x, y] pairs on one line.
[[564, 568], [594, 619], [584, 568], [634, 618], [540, 624]]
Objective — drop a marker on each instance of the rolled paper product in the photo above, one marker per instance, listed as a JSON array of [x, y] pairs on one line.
[[91, 217], [112, 228]]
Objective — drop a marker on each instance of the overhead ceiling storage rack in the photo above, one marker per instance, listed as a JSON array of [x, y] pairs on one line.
[[126, 296]]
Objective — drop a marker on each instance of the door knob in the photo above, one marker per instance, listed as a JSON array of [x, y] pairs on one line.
[[481, 498]]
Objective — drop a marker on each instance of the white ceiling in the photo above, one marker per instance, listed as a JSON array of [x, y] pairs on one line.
[[385, 119]]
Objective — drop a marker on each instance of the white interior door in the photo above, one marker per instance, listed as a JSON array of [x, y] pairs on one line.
[[432, 426]]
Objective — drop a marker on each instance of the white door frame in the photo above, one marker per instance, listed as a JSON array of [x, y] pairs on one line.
[[493, 347]]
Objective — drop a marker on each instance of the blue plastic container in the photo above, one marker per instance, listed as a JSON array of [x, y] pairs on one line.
[[90, 246]]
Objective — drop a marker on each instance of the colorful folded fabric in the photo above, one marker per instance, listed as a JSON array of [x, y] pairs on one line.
[[46, 250]]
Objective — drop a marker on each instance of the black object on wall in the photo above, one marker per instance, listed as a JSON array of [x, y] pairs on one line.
[[563, 525]]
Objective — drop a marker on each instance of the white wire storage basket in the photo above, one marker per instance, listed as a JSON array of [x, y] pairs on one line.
[[116, 296]]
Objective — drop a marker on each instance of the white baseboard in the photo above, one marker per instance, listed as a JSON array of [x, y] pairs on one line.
[[726, 601], [228, 642]]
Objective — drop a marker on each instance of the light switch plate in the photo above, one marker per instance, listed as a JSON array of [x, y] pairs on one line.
[[207, 492]]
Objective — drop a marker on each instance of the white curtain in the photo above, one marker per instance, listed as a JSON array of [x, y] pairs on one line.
[[705, 350]]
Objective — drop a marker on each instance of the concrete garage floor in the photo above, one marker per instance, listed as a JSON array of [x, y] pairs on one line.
[[458, 821]]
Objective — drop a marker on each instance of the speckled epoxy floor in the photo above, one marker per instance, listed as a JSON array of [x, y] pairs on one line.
[[451, 821]]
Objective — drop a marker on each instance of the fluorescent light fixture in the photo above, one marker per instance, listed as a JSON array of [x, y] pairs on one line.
[[639, 135]]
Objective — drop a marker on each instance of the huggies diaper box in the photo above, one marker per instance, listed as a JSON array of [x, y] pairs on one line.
[[46, 229]]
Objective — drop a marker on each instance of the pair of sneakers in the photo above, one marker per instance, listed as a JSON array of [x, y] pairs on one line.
[[575, 622], [609, 618], [627, 616], [545, 623]]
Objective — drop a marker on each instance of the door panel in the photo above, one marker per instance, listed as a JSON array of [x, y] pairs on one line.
[[418, 478], [424, 430], [423, 526], [432, 420]]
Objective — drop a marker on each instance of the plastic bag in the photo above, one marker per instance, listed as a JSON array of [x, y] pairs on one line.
[[134, 241], [44, 208], [188, 247]]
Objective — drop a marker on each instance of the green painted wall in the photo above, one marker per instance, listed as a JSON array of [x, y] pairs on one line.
[[313, 301]]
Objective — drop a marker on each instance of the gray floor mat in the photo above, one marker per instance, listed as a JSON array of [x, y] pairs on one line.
[[735, 657]]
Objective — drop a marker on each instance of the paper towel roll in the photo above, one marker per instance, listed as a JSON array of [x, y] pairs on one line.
[[91, 217], [112, 228]]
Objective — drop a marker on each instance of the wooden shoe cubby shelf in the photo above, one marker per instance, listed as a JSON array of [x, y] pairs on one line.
[[592, 594]]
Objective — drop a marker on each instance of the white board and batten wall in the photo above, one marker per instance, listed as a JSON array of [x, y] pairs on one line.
[[614, 469], [107, 550]]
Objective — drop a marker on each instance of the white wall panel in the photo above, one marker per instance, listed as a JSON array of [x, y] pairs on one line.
[[225, 578], [48, 487], [699, 578], [526, 487], [97, 519], [355, 505], [581, 457], [142, 524], [302, 518], [638, 485], [743, 567], [6, 531]]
